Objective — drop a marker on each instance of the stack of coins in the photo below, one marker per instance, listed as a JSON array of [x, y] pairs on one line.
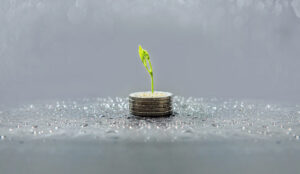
[[148, 104]]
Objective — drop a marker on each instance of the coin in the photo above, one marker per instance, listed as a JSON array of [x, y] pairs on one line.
[[152, 114], [151, 104], [145, 102], [149, 100], [148, 96], [150, 110]]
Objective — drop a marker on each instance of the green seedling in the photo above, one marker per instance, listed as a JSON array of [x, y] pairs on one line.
[[144, 55]]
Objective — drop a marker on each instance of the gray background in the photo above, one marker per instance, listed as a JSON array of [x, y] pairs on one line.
[[207, 48]]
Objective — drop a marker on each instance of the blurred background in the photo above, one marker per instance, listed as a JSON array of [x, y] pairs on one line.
[[53, 49]]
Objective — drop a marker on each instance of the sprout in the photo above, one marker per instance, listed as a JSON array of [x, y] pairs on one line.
[[144, 55]]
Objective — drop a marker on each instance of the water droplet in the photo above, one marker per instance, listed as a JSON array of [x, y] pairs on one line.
[[215, 125], [41, 132], [84, 125], [188, 131], [111, 131]]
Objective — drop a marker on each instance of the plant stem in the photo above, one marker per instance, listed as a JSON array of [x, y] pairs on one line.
[[152, 88], [151, 74]]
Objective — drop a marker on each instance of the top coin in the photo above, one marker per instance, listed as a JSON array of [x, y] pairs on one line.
[[150, 95]]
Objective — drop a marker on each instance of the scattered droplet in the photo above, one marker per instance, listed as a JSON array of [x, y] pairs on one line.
[[214, 125], [41, 132], [268, 106], [264, 126], [111, 131], [85, 125], [188, 131], [196, 119]]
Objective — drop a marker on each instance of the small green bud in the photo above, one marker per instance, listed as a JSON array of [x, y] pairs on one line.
[[144, 55]]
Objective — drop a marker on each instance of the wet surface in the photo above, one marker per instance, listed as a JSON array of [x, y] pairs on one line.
[[193, 119], [99, 134]]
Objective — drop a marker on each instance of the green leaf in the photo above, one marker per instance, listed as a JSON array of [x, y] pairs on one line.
[[144, 55], [141, 53]]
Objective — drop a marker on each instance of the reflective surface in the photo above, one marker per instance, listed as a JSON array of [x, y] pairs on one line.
[[208, 135]]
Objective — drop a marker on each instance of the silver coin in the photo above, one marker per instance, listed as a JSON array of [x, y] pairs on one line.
[[151, 109], [150, 104], [144, 102], [148, 96], [156, 105], [150, 99], [151, 114]]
